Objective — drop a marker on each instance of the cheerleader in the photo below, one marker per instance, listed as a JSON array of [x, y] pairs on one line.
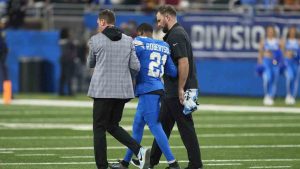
[[290, 48], [270, 58]]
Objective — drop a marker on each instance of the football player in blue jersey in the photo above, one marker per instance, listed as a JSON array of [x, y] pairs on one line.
[[270, 58], [290, 48], [155, 60]]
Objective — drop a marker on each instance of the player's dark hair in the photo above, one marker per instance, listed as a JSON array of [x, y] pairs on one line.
[[108, 16], [167, 9], [144, 27]]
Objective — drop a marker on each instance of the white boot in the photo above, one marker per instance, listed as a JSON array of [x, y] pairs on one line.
[[268, 101], [290, 100]]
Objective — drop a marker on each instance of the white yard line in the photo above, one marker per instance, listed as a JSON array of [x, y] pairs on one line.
[[246, 146], [236, 108], [242, 118], [206, 107], [163, 162], [6, 152], [250, 125], [247, 135], [151, 136], [209, 161], [56, 103], [47, 126], [49, 163], [254, 160], [130, 118], [222, 164], [181, 161], [173, 147], [29, 155], [36, 126], [46, 137], [93, 163], [270, 167], [25, 126], [81, 157], [206, 164]]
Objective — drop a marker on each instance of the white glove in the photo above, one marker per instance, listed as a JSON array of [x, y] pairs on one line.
[[190, 101]]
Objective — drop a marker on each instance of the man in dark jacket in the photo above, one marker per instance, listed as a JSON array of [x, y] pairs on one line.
[[175, 107]]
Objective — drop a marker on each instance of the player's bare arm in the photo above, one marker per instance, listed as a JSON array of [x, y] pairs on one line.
[[183, 72]]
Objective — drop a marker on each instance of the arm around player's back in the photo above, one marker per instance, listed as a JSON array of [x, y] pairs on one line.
[[170, 68]]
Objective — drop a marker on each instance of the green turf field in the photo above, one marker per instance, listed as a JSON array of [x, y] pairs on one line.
[[60, 137]]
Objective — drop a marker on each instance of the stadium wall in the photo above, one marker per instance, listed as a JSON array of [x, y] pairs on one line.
[[27, 46], [231, 77], [225, 48]]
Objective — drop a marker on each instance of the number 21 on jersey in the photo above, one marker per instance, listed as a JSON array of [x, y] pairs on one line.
[[156, 65]]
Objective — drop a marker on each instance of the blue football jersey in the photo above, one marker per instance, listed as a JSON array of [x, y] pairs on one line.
[[293, 45], [155, 60]]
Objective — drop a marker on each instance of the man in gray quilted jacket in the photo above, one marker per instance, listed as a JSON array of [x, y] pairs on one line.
[[112, 55]]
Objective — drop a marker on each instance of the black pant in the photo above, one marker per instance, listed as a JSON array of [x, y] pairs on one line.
[[171, 111], [107, 114]]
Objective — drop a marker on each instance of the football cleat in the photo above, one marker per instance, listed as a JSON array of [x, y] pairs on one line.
[[118, 165], [144, 157], [173, 165]]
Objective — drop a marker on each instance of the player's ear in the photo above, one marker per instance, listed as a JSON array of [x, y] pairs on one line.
[[102, 22], [168, 17]]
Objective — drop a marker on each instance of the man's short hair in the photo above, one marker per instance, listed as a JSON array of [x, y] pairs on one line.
[[167, 9], [108, 16], [145, 27]]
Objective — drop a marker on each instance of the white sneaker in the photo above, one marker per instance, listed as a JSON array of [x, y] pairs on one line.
[[268, 101], [144, 157], [135, 162], [287, 99], [290, 100]]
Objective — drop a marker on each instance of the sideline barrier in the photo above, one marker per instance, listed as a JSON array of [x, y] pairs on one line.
[[24, 43]]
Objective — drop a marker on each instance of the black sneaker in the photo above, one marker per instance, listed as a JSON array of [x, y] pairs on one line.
[[174, 165], [136, 163], [118, 165]]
